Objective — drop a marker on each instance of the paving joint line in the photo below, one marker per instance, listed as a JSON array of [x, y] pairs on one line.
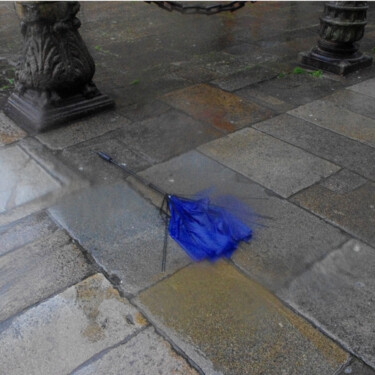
[[332, 131], [312, 153], [106, 350], [272, 193], [315, 324], [130, 298], [163, 334]]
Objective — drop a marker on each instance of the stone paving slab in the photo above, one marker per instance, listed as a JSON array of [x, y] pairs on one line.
[[84, 159], [22, 180], [347, 123], [354, 102], [146, 353], [357, 367], [343, 182], [338, 295], [237, 325], [366, 88], [353, 211], [140, 112], [175, 131], [292, 89], [38, 270], [82, 130], [236, 60], [13, 236], [9, 131], [216, 107], [244, 78], [322, 142], [63, 332], [43, 181], [122, 231], [292, 241], [276, 104], [274, 164]]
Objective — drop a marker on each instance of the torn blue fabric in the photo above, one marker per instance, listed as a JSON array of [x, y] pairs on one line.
[[206, 230]]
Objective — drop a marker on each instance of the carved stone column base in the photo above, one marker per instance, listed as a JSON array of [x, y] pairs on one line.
[[53, 79], [343, 66], [342, 26], [34, 117]]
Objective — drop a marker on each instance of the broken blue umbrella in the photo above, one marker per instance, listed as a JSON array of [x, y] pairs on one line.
[[205, 228]]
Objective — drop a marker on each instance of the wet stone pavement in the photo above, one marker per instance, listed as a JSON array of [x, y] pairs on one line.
[[200, 102]]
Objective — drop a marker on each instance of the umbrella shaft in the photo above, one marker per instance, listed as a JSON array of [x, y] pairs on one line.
[[108, 158]]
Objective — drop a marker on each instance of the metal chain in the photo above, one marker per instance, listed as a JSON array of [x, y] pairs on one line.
[[198, 9]]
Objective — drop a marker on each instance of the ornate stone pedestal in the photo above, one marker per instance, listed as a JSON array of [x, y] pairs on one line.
[[341, 26], [53, 81]]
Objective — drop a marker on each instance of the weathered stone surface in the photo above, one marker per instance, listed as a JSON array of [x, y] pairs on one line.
[[9, 131], [122, 231], [61, 333], [140, 112], [347, 123], [13, 236], [83, 130], [338, 294], [293, 89], [276, 104], [353, 101], [166, 136], [276, 165], [237, 325], [83, 157], [292, 240], [22, 179], [225, 111], [37, 270], [343, 182], [244, 78], [353, 211], [356, 367], [367, 87], [146, 353], [324, 143]]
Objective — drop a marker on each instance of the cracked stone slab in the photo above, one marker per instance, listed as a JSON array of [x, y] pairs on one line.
[[38, 270], [347, 123], [9, 131], [83, 130], [23, 180], [278, 166], [337, 293], [58, 335], [15, 235], [322, 142], [292, 240], [353, 211], [229, 324], [123, 231], [224, 111], [146, 353]]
